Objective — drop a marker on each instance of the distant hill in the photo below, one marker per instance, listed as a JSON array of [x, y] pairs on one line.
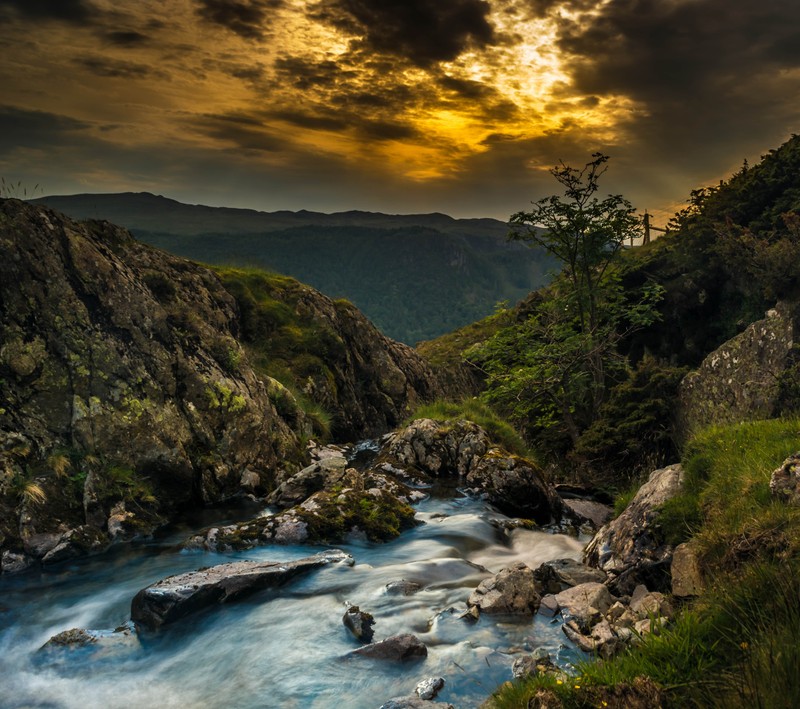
[[415, 276]]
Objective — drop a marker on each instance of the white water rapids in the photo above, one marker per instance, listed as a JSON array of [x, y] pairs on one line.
[[285, 648]]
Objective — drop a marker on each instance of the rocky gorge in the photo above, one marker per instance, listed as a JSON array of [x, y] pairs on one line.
[[166, 507]]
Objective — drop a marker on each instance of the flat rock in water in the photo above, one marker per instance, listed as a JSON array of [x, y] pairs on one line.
[[177, 596], [397, 647]]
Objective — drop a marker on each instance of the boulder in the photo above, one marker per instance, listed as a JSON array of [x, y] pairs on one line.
[[438, 448], [558, 575], [175, 597], [516, 486], [586, 603], [397, 647], [96, 644], [784, 483], [512, 590], [309, 480], [359, 623], [402, 588], [593, 512], [686, 573], [741, 380], [429, 688], [629, 548]]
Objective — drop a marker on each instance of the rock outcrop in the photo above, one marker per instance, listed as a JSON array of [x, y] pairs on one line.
[[175, 597], [742, 379], [512, 590], [121, 381], [126, 396], [629, 548]]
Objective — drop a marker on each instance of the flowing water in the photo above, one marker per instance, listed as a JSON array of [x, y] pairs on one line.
[[283, 648]]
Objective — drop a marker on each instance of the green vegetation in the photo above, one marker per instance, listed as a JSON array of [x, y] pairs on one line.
[[475, 410], [286, 342], [737, 645]]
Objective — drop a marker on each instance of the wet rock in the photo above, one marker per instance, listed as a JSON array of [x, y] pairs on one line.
[[429, 688], [629, 548], [536, 664], [585, 603], [359, 623], [175, 597], [784, 483], [557, 575], [96, 644], [512, 590], [687, 576], [397, 647], [13, 562], [402, 588], [549, 605], [516, 486]]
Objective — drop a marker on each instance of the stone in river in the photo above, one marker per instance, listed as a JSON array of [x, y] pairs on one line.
[[177, 596]]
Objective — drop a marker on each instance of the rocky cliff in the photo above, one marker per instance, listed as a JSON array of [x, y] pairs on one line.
[[753, 375], [127, 397]]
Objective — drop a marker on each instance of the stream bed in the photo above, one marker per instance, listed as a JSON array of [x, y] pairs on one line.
[[282, 648]]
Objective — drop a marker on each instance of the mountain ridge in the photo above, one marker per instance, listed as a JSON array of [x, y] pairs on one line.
[[414, 276]]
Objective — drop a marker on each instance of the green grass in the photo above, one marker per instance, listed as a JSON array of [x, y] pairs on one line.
[[736, 646], [499, 430]]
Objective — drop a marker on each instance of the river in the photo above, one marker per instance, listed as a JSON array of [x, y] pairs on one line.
[[285, 648]]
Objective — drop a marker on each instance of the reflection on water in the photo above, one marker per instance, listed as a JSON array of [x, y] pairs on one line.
[[285, 648]]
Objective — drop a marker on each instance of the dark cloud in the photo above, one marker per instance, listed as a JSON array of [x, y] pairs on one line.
[[20, 128], [75, 11], [304, 73], [247, 18], [467, 88], [127, 39], [244, 131], [310, 120], [422, 31], [114, 68], [704, 72]]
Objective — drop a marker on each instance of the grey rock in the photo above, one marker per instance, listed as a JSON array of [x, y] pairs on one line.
[[397, 647], [517, 487], [512, 590], [586, 603], [627, 548], [594, 512], [560, 574], [402, 588], [429, 688], [741, 379], [175, 597], [549, 605]]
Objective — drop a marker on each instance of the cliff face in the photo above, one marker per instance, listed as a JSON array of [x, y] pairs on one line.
[[126, 396], [332, 354]]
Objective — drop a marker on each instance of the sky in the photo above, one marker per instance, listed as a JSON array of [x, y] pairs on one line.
[[399, 106]]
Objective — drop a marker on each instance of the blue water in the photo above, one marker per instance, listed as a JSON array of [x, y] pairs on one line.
[[283, 648]]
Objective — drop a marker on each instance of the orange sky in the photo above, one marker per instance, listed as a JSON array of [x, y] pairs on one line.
[[458, 106]]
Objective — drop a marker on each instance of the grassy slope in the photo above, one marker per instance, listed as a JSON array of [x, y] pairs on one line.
[[737, 645]]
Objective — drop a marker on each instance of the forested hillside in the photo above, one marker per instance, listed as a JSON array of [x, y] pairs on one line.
[[414, 276]]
